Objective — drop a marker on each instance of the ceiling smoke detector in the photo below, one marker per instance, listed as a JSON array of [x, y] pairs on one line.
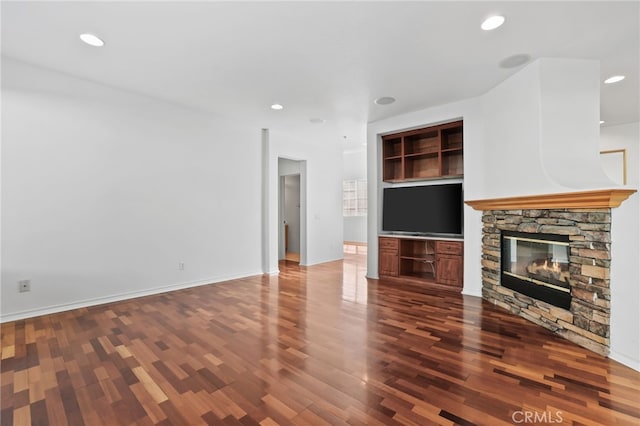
[[385, 100], [514, 61]]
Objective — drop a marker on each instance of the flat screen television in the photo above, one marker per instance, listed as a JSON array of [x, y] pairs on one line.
[[423, 210]]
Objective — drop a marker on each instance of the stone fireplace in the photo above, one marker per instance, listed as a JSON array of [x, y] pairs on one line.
[[555, 268]]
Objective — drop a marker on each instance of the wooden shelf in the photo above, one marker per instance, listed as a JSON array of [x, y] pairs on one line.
[[425, 260], [427, 142], [393, 169], [423, 166], [428, 153], [392, 147], [451, 138], [423, 276], [418, 258], [452, 163], [421, 154]]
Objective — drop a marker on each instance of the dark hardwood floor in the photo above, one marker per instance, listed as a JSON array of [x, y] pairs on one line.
[[312, 346]]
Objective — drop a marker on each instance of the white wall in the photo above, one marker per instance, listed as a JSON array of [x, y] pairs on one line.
[[355, 229], [105, 192], [625, 251], [541, 130], [570, 122], [511, 114], [625, 136], [288, 167], [355, 168]]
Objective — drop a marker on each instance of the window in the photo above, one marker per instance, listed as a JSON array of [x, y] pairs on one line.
[[354, 197]]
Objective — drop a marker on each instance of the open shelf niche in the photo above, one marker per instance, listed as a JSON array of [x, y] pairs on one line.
[[427, 153]]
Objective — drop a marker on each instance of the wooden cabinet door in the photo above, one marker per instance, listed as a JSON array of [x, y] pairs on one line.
[[388, 262], [449, 270]]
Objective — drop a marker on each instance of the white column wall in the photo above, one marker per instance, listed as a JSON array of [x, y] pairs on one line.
[[625, 250], [570, 122]]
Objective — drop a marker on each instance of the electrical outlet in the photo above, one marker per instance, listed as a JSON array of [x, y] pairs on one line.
[[181, 266], [24, 286]]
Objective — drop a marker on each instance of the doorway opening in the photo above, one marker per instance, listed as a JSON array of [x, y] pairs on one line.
[[291, 217], [291, 211]]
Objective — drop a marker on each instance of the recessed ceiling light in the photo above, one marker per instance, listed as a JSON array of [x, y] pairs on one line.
[[601, 121], [385, 100], [614, 79], [492, 22], [515, 60], [317, 120], [92, 40], [277, 107]]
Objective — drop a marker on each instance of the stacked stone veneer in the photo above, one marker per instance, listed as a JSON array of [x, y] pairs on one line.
[[587, 321]]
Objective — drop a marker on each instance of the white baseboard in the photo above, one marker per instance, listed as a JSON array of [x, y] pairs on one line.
[[54, 309], [625, 360], [472, 293], [318, 262]]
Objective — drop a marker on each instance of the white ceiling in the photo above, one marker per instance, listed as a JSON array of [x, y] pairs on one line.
[[328, 60]]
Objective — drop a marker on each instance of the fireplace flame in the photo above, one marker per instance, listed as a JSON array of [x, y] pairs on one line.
[[555, 266]]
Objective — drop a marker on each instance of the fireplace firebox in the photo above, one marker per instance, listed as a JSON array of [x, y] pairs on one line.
[[537, 265]]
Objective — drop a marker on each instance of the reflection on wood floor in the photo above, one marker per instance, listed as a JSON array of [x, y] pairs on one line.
[[313, 346], [292, 257]]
